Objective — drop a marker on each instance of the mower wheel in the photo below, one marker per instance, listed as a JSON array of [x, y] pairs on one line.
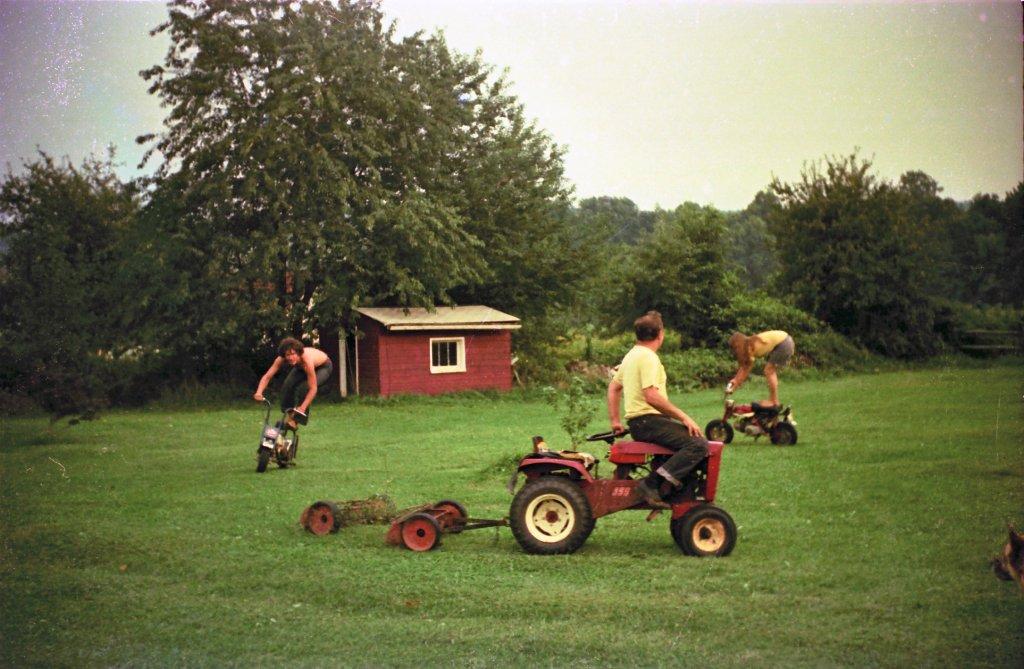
[[719, 430], [454, 520], [421, 532], [551, 515], [322, 518], [262, 460], [783, 434], [704, 531], [294, 450]]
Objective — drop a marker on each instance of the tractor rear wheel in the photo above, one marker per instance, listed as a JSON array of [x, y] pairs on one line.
[[783, 434], [704, 531], [551, 515], [719, 430]]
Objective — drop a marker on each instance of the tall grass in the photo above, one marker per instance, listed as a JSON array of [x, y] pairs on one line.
[[146, 539]]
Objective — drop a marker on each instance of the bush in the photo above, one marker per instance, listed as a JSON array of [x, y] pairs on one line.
[[831, 351], [575, 409], [956, 317], [698, 368], [756, 312]]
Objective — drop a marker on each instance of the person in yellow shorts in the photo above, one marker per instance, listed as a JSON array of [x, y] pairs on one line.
[[775, 346]]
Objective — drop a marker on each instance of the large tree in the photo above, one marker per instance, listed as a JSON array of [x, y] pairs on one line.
[[679, 270], [1013, 256], [750, 245], [314, 161], [850, 253], [63, 305]]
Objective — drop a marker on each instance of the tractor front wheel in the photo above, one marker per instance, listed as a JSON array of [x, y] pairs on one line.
[[551, 515], [705, 531], [719, 430]]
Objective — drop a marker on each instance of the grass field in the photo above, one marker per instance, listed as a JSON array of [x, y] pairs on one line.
[[147, 539]]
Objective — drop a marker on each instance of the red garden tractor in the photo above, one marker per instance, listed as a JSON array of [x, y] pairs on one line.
[[562, 497]]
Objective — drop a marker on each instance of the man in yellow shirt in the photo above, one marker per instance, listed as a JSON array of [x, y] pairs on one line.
[[650, 415], [775, 346]]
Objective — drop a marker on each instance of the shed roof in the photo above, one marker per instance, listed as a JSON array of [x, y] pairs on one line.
[[442, 318]]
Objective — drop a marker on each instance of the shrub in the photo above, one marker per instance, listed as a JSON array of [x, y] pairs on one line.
[[831, 351], [698, 368], [756, 312], [575, 409], [959, 316]]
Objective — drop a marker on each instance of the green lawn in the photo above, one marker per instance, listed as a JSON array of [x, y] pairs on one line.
[[147, 539]]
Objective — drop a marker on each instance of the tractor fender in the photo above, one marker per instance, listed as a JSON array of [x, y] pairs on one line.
[[534, 467]]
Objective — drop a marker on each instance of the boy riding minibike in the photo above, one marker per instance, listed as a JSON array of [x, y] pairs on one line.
[[310, 370]]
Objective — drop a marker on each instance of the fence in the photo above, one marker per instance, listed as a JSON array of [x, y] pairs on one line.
[[991, 342]]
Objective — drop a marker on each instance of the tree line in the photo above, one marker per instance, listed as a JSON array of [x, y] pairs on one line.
[[889, 265], [312, 161]]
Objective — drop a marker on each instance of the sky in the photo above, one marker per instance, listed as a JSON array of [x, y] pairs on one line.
[[661, 102]]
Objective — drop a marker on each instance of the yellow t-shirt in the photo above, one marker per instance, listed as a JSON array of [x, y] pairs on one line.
[[640, 368], [767, 341]]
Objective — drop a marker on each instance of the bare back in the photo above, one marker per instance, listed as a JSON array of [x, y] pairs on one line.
[[313, 357]]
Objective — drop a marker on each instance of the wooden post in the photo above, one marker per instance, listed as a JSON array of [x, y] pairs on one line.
[[355, 341], [343, 363]]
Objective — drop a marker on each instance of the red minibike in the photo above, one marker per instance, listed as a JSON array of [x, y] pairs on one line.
[[556, 508], [754, 420]]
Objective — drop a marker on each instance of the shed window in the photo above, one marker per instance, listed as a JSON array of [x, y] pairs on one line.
[[447, 355]]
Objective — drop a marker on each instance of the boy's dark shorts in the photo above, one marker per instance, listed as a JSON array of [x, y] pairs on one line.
[[781, 354]]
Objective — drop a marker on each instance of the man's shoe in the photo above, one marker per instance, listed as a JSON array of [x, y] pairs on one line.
[[651, 496]]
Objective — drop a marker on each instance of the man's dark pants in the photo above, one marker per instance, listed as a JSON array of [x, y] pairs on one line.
[[670, 433], [295, 385]]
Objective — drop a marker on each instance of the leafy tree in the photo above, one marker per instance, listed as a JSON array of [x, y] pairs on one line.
[[850, 253], [62, 305], [616, 219], [750, 244], [313, 162], [977, 247], [1013, 257], [679, 270]]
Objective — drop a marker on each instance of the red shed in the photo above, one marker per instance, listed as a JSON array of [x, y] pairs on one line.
[[432, 352]]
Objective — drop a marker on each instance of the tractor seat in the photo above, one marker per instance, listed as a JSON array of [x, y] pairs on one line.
[[634, 452], [766, 410]]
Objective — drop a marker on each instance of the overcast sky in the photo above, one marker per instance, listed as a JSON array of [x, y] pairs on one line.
[[660, 102]]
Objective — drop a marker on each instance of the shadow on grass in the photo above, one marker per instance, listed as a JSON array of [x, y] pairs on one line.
[[51, 436]]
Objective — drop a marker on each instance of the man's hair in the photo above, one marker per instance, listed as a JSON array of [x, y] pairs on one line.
[[290, 344], [740, 350], [648, 326]]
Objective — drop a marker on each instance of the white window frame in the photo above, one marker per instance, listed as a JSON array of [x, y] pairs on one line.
[[460, 349]]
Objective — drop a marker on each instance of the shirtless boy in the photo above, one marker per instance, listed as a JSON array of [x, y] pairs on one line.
[[310, 369]]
